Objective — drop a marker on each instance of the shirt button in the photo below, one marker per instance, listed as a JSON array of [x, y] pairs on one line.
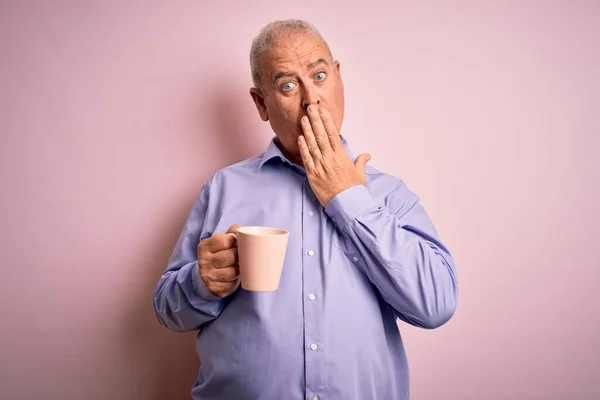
[[313, 347], [312, 296], [310, 213], [355, 259], [310, 253], [315, 397]]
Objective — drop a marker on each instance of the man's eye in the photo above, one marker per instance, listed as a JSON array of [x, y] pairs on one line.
[[288, 86], [320, 76]]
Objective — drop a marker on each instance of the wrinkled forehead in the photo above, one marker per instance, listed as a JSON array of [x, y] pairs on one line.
[[294, 51]]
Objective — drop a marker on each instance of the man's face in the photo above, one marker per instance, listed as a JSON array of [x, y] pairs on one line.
[[296, 72]]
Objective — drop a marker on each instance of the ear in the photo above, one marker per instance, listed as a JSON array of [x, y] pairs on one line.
[[336, 66], [259, 100]]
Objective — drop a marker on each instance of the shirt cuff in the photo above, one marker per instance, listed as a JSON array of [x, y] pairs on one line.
[[349, 204], [199, 286]]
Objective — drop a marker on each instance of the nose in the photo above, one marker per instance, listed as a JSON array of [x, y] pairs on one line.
[[310, 96]]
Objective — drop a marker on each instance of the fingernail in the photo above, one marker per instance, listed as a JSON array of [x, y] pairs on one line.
[[312, 108]]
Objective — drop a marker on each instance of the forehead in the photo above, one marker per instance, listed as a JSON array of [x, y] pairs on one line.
[[294, 51]]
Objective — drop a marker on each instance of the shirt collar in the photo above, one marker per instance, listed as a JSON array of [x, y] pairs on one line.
[[274, 152]]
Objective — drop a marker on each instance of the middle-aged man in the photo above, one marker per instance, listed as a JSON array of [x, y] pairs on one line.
[[362, 251]]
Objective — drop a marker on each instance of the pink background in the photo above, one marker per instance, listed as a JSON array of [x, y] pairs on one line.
[[112, 115]]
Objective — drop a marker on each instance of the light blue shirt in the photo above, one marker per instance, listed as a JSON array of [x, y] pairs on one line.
[[351, 269]]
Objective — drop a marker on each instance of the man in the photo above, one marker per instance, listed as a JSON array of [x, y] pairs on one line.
[[362, 251]]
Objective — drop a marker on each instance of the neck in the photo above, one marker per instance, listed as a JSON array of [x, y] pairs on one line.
[[296, 159]]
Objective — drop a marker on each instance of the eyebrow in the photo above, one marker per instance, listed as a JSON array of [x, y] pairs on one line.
[[282, 74], [319, 61]]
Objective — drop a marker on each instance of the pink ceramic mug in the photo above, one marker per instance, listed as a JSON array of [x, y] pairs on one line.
[[261, 253]]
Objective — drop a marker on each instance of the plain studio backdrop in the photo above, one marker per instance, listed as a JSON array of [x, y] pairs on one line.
[[114, 113]]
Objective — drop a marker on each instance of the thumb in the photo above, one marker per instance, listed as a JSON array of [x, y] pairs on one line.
[[233, 230], [361, 166], [361, 163]]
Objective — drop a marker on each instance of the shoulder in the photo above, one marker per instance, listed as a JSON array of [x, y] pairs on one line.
[[239, 171], [391, 190], [227, 177], [384, 181]]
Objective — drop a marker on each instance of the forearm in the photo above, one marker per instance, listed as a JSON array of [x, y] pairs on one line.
[[182, 302], [400, 254]]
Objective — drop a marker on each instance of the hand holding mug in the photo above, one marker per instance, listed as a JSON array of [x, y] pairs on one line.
[[218, 262]]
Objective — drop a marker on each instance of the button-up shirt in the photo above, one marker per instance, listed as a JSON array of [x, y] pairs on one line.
[[351, 270]]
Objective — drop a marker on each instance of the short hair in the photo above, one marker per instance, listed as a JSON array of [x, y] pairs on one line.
[[269, 35]]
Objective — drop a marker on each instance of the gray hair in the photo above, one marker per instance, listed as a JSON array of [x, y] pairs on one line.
[[269, 35]]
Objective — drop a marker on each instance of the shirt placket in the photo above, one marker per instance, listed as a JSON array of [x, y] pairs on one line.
[[312, 291]]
